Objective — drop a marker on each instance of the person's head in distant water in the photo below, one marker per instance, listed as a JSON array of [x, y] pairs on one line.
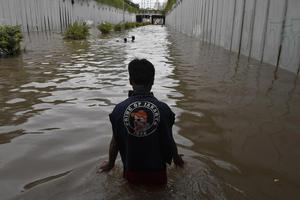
[[141, 73]]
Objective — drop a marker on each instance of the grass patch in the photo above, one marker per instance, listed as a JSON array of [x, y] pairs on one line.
[[10, 40], [105, 27], [77, 31]]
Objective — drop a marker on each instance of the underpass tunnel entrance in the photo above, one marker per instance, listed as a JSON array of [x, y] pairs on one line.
[[153, 19], [158, 20]]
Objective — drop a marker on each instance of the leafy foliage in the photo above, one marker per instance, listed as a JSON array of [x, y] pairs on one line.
[[118, 27], [129, 25], [10, 39], [138, 24], [105, 27], [77, 31], [129, 6], [169, 5], [146, 23]]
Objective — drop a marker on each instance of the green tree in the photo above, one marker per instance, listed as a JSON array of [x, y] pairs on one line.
[[129, 6], [169, 5]]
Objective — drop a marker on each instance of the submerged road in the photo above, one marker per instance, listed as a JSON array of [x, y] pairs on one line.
[[236, 123]]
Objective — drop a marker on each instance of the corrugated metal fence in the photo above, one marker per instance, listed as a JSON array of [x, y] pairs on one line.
[[267, 30], [56, 15]]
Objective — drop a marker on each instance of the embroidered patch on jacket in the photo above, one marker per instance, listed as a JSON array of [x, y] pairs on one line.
[[141, 118]]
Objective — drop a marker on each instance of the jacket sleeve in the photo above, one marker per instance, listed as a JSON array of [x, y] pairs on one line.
[[115, 127], [166, 134]]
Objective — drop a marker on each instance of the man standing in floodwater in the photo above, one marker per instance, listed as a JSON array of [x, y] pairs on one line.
[[142, 131]]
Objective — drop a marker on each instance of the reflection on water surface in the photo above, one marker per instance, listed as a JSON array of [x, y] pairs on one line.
[[236, 124]]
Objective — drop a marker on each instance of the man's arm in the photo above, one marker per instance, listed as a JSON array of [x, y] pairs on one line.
[[176, 157], [113, 153], [168, 142]]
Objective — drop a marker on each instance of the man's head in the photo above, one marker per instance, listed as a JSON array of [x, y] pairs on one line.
[[141, 72]]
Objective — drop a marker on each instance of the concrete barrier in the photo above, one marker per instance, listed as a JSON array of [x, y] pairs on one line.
[[266, 30], [56, 15]]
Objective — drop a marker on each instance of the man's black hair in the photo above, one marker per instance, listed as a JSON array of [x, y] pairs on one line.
[[141, 72]]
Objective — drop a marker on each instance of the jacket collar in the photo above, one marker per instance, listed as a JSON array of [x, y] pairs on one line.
[[140, 90], [135, 93]]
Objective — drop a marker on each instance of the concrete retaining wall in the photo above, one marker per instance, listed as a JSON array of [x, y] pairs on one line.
[[266, 30], [55, 15]]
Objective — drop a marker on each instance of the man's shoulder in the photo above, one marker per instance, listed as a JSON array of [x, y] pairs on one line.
[[164, 106], [122, 105]]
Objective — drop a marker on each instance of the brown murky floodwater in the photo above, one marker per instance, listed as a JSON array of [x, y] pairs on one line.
[[237, 125]]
